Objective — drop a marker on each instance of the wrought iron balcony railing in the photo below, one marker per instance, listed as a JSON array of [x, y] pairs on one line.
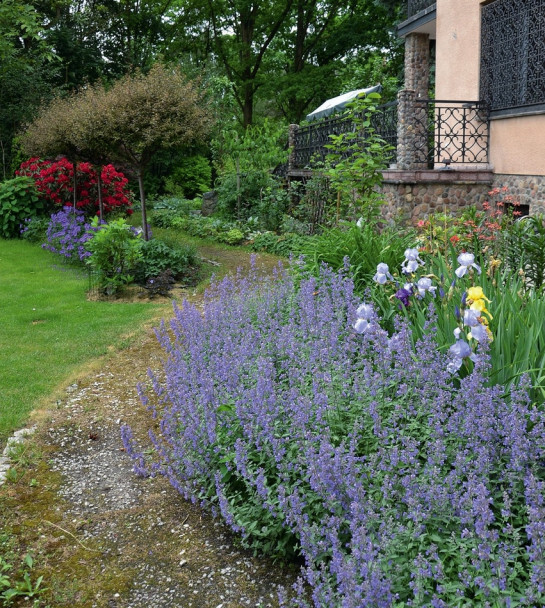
[[434, 132], [450, 132], [311, 141], [415, 6]]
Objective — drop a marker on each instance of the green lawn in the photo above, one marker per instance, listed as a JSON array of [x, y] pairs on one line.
[[48, 328]]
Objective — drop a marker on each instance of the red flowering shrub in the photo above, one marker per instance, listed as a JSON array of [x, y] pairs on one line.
[[54, 182]]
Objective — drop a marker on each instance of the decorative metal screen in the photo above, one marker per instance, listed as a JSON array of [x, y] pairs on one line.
[[415, 6], [513, 53]]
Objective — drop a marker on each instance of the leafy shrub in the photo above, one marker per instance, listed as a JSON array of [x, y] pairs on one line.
[[244, 162], [217, 229], [35, 229], [523, 247], [115, 253], [400, 483], [283, 245], [54, 182], [68, 233], [364, 247], [18, 202], [356, 159], [193, 176], [158, 256]]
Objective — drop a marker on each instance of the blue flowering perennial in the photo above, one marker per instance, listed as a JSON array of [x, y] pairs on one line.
[[288, 410], [67, 234]]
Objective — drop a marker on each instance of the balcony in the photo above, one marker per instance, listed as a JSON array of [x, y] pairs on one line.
[[415, 6], [420, 18], [435, 134]]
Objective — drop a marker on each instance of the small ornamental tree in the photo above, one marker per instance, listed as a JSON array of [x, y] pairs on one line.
[[54, 182], [49, 135], [142, 114]]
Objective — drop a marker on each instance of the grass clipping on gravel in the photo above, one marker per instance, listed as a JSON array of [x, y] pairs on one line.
[[48, 328]]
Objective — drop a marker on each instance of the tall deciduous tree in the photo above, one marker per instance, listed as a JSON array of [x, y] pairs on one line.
[[243, 31], [26, 61]]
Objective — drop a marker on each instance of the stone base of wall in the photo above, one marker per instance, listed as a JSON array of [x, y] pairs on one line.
[[414, 195], [528, 190]]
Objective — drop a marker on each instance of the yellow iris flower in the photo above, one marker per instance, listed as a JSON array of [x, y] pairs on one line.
[[477, 300]]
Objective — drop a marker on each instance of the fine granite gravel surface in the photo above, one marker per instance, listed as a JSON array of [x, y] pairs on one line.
[[106, 538], [176, 554]]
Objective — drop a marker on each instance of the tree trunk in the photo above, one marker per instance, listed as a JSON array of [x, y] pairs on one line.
[[100, 204], [145, 229], [74, 183]]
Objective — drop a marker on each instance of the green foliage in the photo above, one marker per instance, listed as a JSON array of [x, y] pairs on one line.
[[231, 233], [19, 201], [284, 245], [35, 229], [167, 211], [18, 583], [364, 247], [523, 247], [180, 205], [115, 252], [245, 186], [190, 178], [356, 159], [158, 256]]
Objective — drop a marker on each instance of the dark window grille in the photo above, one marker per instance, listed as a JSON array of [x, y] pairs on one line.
[[513, 54], [311, 140], [415, 6]]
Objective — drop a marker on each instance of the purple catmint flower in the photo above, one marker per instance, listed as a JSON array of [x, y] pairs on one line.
[[363, 453]]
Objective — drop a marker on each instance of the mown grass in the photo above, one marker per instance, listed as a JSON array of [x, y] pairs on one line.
[[48, 328]]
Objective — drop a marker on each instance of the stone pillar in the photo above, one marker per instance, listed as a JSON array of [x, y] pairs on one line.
[[417, 64], [291, 144], [412, 124]]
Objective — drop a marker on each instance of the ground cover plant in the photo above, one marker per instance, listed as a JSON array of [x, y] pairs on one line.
[[287, 409], [50, 328]]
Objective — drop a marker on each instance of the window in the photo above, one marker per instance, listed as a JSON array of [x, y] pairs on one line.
[[513, 56]]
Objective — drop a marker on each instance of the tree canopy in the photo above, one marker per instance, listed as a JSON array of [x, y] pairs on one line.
[[276, 60]]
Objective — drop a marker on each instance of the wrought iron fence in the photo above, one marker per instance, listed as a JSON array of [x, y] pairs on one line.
[[450, 132], [415, 6], [311, 140], [441, 132]]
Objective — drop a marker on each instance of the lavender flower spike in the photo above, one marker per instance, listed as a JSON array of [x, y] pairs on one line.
[[466, 261], [383, 274], [412, 261]]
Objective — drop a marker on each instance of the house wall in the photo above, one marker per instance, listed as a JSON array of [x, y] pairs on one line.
[[516, 145], [516, 150], [458, 34]]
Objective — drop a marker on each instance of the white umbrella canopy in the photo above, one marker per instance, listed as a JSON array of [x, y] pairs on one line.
[[338, 103]]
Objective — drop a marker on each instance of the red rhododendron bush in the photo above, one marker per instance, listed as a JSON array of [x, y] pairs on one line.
[[55, 182]]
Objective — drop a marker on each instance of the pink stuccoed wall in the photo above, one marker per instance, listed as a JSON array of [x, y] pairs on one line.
[[516, 144]]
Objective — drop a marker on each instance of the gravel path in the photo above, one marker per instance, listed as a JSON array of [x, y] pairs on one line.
[[104, 537]]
